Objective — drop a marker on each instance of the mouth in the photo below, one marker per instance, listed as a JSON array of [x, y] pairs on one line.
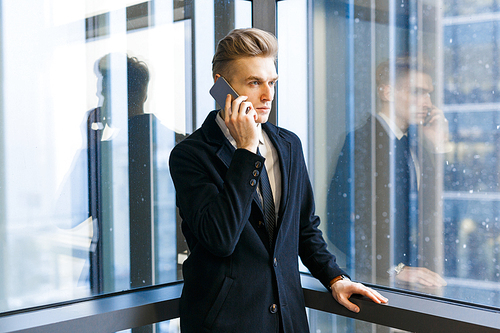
[[422, 114], [264, 109]]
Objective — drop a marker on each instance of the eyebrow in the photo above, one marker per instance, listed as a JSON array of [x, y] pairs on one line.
[[257, 78]]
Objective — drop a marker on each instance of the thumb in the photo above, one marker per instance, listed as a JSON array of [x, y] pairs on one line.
[[348, 305]]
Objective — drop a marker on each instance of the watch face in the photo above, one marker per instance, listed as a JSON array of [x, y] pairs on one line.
[[399, 268]]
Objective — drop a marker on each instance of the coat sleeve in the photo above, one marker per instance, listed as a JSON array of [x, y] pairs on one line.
[[215, 204]]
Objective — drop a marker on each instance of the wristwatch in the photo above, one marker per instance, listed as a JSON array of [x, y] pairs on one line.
[[396, 269], [340, 277]]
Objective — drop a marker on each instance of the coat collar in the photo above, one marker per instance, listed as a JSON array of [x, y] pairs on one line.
[[214, 135], [225, 151]]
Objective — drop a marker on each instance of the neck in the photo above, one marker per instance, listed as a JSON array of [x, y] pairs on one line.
[[400, 122], [135, 110]]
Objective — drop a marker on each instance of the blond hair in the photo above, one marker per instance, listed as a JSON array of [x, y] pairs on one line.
[[241, 43], [402, 66]]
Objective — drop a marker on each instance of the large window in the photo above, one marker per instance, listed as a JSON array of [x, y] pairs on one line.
[[401, 138], [396, 104], [403, 141], [94, 97]]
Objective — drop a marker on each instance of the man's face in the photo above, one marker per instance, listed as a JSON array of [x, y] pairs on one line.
[[255, 77], [412, 99]]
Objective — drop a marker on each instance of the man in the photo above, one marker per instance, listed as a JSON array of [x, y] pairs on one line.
[[384, 169], [242, 273]]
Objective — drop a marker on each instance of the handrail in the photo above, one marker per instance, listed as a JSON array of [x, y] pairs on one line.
[[100, 314], [149, 305], [406, 311]]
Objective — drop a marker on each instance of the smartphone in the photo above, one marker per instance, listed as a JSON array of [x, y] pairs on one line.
[[220, 90], [428, 117]]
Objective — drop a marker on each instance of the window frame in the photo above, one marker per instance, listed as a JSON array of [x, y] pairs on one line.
[[135, 308], [138, 307]]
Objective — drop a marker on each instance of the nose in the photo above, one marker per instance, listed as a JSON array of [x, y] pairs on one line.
[[427, 102], [267, 93]]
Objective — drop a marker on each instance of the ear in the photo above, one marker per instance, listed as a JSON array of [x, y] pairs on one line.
[[216, 77], [386, 93]]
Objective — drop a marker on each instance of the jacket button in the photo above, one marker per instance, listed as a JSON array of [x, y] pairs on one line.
[[255, 173], [273, 308], [275, 262], [258, 164], [253, 182]]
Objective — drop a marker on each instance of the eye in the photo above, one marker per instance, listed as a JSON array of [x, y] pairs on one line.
[[254, 83]]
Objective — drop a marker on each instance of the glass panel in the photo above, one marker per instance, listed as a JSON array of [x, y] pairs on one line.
[[323, 322], [401, 137], [94, 73], [94, 96]]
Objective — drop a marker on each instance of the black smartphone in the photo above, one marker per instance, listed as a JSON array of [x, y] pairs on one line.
[[428, 117], [220, 90]]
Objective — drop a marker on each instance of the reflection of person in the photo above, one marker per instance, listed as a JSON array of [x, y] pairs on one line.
[[75, 210], [137, 81], [242, 276], [373, 203], [137, 86], [116, 72]]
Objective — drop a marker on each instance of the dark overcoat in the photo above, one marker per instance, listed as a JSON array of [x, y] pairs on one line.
[[234, 281], [375, 211]]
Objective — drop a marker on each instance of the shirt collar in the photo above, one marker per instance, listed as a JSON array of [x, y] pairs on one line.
[[392, 126], [228, 135]]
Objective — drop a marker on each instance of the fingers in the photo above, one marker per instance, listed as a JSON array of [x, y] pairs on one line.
[[240, 118], [342, 290], [431, 278], [375, 296], [242, 107], [425, 282], [421, 275], [441, 281], [436, 114], [348, 305], [239, 104], [227, 107], [370, 293]]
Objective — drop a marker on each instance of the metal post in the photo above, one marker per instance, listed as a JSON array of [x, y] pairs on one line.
[[3, 215], [141, 200], [264, 17]]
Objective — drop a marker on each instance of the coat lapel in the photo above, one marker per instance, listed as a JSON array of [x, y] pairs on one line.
[[226, 150]]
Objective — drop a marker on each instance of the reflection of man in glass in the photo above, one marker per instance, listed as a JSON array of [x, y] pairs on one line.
[[137, 81], [122, 88], [382, 200]]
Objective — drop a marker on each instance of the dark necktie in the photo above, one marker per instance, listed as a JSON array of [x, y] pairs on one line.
[[267, 198], [410, 144]]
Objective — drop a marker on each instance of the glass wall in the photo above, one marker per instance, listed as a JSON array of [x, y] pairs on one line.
[[396, 104], [94, 96], [322, 322], [401, 137]]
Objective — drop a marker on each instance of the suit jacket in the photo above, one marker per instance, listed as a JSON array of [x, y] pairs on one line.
[[234, 281], [373, 203]]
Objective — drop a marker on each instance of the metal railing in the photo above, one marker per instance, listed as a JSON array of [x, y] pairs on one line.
[[135, 308]]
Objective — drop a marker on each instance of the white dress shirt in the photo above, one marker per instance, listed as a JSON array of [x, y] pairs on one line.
[[391, 126]]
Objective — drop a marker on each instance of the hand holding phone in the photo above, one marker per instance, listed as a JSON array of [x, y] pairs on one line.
[[241, 127], [428, 117], [220, 90]]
